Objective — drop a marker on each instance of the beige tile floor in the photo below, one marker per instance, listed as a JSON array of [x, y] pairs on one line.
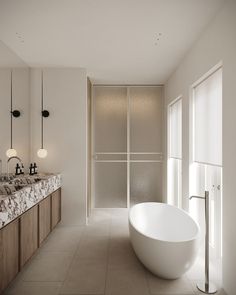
[[97, 259]]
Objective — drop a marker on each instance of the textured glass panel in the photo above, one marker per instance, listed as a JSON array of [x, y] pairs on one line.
[[145, 119], [110, 119], [208, 120], [110, 185], [145, 182]]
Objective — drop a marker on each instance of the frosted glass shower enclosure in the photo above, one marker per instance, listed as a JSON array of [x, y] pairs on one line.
[[127, 145]]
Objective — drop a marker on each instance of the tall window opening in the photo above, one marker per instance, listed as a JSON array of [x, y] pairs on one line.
[[206, 154], [175, 153]]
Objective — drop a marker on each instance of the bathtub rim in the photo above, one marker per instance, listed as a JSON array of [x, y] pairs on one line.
[[197, 236]]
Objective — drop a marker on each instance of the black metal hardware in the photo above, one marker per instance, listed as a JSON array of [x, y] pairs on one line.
[[45, 113], [16, 113]]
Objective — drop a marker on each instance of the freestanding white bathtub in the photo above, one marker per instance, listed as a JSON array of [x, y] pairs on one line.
[[164, 237]]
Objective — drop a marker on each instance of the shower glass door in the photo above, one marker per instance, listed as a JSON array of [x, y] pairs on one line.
[[127, 145], [110, 147], [145, 146]]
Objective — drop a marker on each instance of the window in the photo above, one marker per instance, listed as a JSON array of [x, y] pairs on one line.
[[206, 156], [207, 120], [175, 153]]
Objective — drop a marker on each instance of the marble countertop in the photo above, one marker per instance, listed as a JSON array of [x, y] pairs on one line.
[[31, 190]]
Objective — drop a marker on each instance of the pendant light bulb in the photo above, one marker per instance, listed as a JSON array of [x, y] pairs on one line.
[[11, 153], [42, 153]]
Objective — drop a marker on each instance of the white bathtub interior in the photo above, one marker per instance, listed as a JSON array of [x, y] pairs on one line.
[[172, 225]]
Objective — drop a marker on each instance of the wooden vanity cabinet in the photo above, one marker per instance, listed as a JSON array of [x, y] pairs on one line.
[[56, 207], [21, 238], [44, 219], [28, 234], [9, 253]]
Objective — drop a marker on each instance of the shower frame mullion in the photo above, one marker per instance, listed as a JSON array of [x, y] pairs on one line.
[[92, 152], [128, 147]]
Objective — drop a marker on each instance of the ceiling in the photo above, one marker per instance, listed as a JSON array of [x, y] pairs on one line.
[[117, 41]]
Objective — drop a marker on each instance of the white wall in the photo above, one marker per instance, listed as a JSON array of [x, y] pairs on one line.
[[65, 129], [21, 132], [8, 58], [21, 129], [218, 43], [65, 93]]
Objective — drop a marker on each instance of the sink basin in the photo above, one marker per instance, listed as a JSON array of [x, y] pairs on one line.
[[2, 197], [4, 177], [9, 189], [20, 186], [24, 180], [19, 182]]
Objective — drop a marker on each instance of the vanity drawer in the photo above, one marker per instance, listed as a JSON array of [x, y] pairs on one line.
[[44, 219], [9, 253], [28, 234], [56, 207]]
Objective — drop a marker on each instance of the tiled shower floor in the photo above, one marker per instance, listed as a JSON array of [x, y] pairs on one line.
[[97, 259]]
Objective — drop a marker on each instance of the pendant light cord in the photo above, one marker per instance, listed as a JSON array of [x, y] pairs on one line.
[[42, 114], [11, 109]]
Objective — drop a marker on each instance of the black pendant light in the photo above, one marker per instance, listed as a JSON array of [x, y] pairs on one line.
[[42, 152], [11, 152]]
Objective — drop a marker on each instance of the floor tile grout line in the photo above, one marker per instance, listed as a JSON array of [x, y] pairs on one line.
[[146, 278], [191, 283], [108, 253], [49, 282], [83, 235], [72, 260], [112, 227]]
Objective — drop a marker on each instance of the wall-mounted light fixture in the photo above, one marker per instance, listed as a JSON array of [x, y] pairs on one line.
[[11, 152], [42, 152]]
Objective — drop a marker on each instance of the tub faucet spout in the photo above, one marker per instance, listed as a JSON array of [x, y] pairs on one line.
[[197, 197], [9, 159]]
